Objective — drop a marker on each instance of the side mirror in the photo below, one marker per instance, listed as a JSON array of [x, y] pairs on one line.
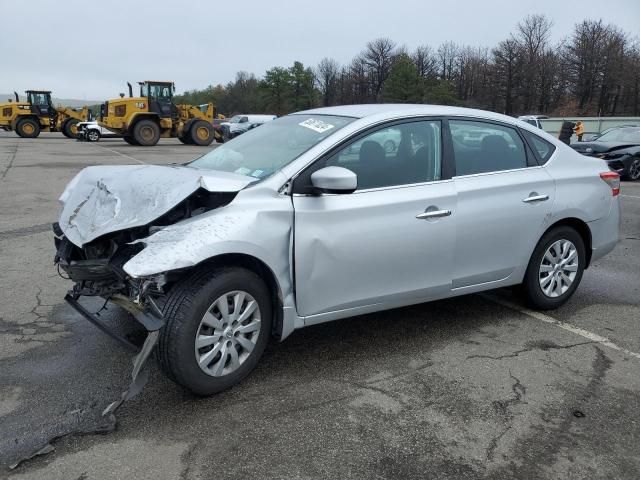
[[334, 180]]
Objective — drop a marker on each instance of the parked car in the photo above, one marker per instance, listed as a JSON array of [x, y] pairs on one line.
[[619, 147], [595, 136], [92, 132], [286, 227], [534, 120], [239, 124]]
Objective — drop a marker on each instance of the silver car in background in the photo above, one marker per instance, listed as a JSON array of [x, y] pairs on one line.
[[309, 218]]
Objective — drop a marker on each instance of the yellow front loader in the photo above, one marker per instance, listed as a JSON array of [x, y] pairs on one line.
[[38, 114], [152, 115]]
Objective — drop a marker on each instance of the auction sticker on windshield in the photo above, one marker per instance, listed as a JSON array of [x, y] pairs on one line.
[[316, 125]]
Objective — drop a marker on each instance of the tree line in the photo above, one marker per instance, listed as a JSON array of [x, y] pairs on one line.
[[593, 71]]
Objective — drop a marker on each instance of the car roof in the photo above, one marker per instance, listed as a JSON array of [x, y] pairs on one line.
[[399, 109]]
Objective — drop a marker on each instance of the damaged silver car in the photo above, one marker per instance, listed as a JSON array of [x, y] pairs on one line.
[[310, 218]]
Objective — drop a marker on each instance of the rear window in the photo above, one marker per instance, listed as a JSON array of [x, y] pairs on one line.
[[543, 149]]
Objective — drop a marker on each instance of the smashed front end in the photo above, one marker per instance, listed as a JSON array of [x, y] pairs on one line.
[[108, 212]]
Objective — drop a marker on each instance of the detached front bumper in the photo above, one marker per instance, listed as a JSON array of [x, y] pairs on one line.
[[105, 278]]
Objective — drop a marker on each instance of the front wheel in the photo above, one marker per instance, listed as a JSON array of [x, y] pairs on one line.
[[131, 141], [70, 128], [201, 133], [93, 135], [218, 324], [634, 169], [555, 269]]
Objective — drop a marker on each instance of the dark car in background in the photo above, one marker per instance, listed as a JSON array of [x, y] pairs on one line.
[[619, 147]]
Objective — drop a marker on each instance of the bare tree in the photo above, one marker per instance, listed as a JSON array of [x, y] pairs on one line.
[[447, 54], [425, 61], [532, 36], [378, 56], [327, 74], [507, 63]]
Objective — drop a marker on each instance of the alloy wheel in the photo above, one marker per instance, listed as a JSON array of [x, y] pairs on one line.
[[227, 333], [634, 169], [558, 268]]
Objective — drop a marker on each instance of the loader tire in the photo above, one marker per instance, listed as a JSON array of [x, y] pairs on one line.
[[201, 133], [70, 129], [185, 139], [130, 141], [146, 133], [28, 128]]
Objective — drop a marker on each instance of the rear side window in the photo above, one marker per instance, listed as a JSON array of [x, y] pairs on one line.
[[543, 149], [481, 147]]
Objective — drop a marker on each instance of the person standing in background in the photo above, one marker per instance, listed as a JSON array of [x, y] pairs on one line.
[[566, 131], [579, 130]]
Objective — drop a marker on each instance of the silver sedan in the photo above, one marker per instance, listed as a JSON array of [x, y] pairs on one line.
[[312, 218]]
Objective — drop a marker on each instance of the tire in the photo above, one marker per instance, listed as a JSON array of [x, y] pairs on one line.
[[201, 133], [185, 139], [28, 128], [130, 141], [69, 128], [146, 133], [92, 135], [633, 172], [63, 131], [184, 311], [534, 279]]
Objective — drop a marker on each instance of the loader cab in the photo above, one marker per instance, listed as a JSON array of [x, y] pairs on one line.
[[159, 96], [40, 101]]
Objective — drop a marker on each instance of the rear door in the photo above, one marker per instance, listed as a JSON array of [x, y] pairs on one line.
[[376, 246], [504, 198]]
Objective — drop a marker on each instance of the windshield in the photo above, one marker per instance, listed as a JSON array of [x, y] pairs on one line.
[[625, 135], [235, 119], [262, 151]]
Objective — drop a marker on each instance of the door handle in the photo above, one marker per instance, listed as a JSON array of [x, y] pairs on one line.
[[433, 214], [536, 198]]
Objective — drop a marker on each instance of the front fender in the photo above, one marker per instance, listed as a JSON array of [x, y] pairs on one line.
[[250, 225]]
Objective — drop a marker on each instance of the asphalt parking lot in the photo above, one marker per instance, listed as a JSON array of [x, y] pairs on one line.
[[473, 387]]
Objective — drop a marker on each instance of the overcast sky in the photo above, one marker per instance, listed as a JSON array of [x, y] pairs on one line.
[[88, 50]]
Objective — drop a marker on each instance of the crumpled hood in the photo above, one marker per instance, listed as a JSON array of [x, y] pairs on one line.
[[104, 199]]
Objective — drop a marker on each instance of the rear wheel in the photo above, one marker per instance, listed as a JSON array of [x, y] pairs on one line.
[[555, 268], [28, 128], [201, 133], [218, 324], [146, 133], [634, 169]]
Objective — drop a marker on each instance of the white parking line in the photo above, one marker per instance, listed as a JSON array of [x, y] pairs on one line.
[[594, 337], [121, 154], [629, 196]]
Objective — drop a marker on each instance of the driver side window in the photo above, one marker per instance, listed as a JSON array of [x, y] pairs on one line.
[[401, 154]]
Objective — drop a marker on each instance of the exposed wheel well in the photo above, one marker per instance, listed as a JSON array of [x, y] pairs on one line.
[[582, 228], [263, 271]]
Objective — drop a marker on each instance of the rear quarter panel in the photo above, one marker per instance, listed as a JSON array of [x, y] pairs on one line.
[[580, 192]]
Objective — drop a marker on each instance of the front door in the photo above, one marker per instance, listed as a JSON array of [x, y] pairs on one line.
[[377, 246]]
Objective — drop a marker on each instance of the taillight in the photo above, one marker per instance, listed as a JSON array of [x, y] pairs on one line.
[[613, 180]]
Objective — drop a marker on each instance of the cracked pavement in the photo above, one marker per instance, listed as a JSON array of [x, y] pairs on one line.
[[462, 388]]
